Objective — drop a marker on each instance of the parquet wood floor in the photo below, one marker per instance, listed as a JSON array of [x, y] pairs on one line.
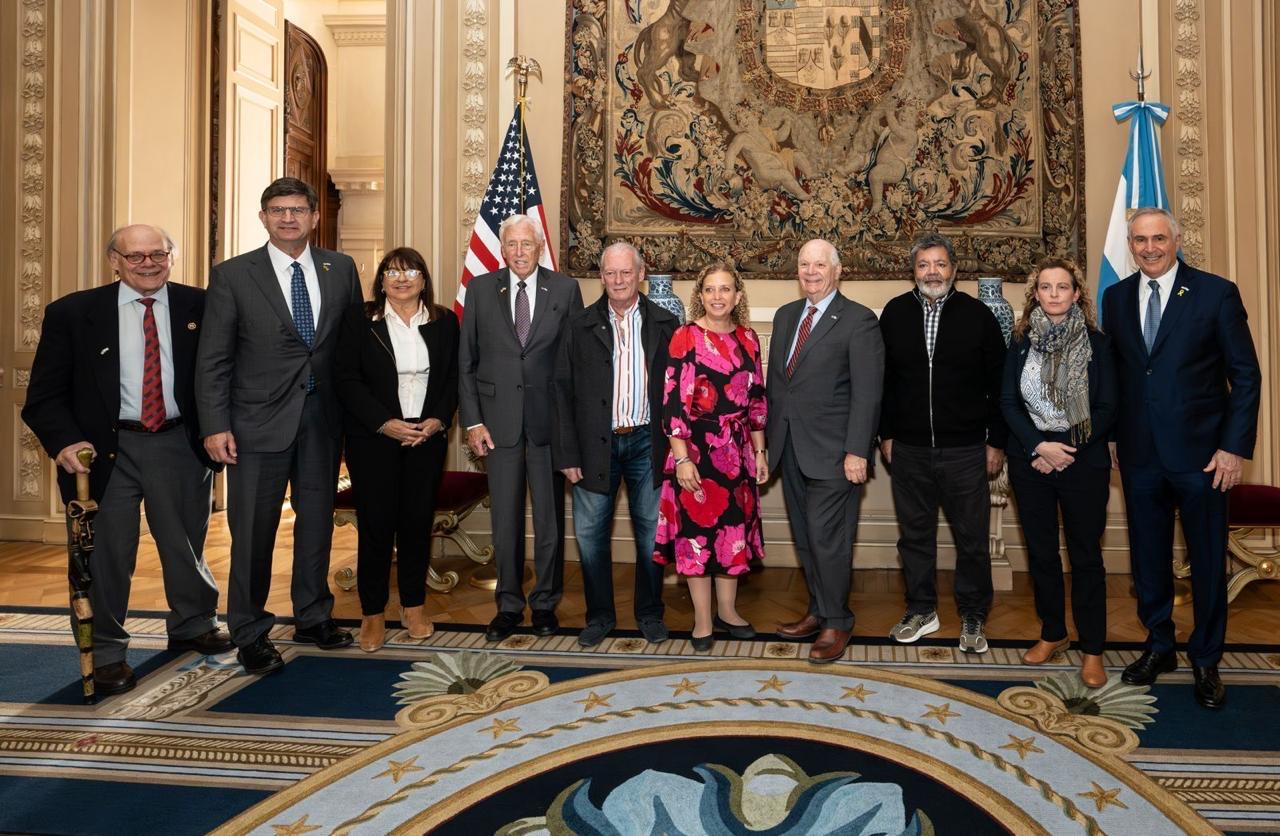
[[35, 575]]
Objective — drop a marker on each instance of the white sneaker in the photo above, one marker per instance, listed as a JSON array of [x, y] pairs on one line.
[[914, 625], [972, 637]]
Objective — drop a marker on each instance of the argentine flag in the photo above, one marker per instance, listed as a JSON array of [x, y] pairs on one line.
[[1141, 184]]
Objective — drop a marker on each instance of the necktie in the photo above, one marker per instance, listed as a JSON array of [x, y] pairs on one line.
[[153, 412], [1152, 326], [805, 327], [522, 314], [302, 316]]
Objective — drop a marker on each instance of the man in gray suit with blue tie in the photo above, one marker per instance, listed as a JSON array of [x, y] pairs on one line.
[[268, 410], [511, 334]]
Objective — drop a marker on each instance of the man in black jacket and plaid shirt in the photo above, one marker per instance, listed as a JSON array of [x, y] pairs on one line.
[[942, 435]]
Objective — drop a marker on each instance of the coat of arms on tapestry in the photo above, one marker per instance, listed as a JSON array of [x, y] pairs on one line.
[[738, 129]]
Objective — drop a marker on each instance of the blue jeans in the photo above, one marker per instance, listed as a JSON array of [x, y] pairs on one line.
[[630, 459]]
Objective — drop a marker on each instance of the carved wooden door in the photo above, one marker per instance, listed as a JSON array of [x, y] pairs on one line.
[[305, 108]]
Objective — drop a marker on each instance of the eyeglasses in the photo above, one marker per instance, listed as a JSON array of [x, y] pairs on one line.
[[295, 211], [408, 274], [157, 257]]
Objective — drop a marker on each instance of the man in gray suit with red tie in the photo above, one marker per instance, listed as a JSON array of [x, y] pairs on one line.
[[511, 333], [269, 411], [826, 367]]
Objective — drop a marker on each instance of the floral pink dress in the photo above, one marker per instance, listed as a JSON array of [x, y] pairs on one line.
[[713, 399]]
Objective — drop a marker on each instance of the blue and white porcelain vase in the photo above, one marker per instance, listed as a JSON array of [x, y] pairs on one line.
[[660, 294], [991, 294]]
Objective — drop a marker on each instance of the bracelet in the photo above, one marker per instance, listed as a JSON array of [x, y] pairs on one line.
[[682, 460]]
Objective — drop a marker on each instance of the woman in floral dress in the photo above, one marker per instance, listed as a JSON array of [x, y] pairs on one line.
[[714, 414]]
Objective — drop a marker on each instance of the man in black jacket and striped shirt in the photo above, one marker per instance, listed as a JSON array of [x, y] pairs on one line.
[[942, 435]]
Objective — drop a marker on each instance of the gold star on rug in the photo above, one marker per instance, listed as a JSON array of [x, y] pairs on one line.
[[939, 712], [501, 727], [685, 686], [397, 769], [300, 826], [859, 692], [594, 700], [1022, 745], [772, 683], [1102, 797]]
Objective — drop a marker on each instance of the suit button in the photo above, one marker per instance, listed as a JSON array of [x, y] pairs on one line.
[[1148, 371], [111, 455], [518, 387], [604, 402], [302, 386]]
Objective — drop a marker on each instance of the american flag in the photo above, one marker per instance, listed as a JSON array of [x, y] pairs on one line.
[[513, 188]]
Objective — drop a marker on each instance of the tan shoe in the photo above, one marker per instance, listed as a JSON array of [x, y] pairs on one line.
[[416, 622], [373, 632], [1042, 651], [1092, 673]]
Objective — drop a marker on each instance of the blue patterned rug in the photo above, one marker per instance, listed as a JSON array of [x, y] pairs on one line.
[[540, 736]]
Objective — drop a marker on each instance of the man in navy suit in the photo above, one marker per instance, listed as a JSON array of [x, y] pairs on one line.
[[1189, 390]]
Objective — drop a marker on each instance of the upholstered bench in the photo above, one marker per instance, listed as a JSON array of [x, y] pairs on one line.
[[459, 494], [1251, 507]]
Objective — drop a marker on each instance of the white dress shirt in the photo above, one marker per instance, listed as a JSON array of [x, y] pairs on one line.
[[1144, 293], [283, 265], [822, 305], [130, 312], [530, 288], [413, 361]]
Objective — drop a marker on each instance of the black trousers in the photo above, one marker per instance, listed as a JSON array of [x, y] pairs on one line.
[[394, 490], [1081, 492], [955, 479]]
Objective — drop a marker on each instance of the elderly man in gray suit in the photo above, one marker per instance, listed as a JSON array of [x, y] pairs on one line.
[[511, 333], [268, 410], [826, 367]]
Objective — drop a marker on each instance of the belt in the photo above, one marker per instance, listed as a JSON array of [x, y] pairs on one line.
[[629, 430], [139, 427]]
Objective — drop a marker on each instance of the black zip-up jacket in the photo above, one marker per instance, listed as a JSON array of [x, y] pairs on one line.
[[957, 402]]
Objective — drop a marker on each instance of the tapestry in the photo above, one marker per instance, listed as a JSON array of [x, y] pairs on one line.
[[709, 129]]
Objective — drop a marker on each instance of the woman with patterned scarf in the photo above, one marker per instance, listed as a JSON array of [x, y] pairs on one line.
[[1059, 400]]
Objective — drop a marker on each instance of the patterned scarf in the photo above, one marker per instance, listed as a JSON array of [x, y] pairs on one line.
[[1064, 372]]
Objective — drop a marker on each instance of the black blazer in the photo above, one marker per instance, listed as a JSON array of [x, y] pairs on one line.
[[1023, 435], [74, 394], [583, 386], [365, 372]]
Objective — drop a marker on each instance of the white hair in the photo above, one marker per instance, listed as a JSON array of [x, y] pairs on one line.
[[518, 218], [115, 236]]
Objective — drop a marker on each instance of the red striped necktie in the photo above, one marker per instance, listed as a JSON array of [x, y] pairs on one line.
[[153, 412], [805, 328]]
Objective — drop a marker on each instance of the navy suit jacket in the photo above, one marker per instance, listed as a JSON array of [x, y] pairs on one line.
[[1197, 391]]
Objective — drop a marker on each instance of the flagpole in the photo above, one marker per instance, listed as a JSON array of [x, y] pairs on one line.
[[523, 67]]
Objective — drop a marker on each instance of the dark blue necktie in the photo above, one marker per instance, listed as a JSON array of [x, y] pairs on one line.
[[303, 319], [1152, 326]]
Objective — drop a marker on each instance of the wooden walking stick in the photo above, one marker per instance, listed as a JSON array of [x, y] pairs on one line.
[[81, 511]]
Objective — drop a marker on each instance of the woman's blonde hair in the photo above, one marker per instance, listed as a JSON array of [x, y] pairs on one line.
[[741, 314], [1085, 302]]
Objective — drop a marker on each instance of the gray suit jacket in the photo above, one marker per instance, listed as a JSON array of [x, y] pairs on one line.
[[252, 367], [500, 384], [832, 405]]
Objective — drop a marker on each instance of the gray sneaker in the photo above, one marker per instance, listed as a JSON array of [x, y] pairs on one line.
[[914, 625], [653, 630], [593, 634], [972, 636]]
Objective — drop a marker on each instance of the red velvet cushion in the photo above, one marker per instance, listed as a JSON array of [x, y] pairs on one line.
[[1254, 506], [458, 489]]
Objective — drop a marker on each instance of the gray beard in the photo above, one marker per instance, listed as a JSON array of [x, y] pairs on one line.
[[935, 295]]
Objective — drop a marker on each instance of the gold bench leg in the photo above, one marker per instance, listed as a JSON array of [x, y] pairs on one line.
[[1257, 565], [346, 579]]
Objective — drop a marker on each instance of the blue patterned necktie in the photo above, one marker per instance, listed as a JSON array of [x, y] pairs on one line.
[[1152, 326], [302, 317]]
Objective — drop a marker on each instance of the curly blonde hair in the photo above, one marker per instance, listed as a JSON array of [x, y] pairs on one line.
[[1085, 302], [741, 314]]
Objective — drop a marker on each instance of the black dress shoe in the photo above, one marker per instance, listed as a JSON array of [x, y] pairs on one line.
[[738, 631], [211, 643], [545, 623], [115, 678], [503, 625], [1149, 666], [260, 657], [1210, 692], [702, 643], [326, 635]]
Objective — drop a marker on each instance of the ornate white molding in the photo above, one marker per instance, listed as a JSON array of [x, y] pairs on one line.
[[475, 107], [33, 151], [1188, 113], [349, 180], [357, 30], [31, 464], [21, 378]]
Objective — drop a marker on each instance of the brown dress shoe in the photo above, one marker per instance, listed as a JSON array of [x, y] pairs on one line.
[[829, 646], [1042, 651], [373, 632], [115, 678], [1092, 673], [802, 629], [416, 622]]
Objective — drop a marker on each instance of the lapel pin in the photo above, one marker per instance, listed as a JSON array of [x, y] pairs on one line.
[[1182, 290], [104, 351], [191, 326], [325, 266]]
